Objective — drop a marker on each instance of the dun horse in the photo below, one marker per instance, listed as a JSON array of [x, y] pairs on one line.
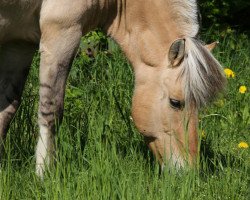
[[175, 74]]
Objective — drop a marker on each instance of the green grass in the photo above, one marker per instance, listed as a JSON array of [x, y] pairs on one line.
[[100, 154]]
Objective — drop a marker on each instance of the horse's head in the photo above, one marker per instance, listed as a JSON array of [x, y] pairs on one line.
[[167, 98], [175, 74]]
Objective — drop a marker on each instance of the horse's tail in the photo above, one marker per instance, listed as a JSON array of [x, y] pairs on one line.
[[203, 73]]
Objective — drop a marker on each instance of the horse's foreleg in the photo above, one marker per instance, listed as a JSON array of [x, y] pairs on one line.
[[58, 47], [15, 59]]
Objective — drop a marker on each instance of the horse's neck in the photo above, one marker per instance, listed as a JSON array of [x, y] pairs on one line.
[[155, 23], [142, 27]]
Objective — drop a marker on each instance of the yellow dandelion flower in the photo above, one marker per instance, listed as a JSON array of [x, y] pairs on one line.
[[243, 145], [242, 89], [229, 73]]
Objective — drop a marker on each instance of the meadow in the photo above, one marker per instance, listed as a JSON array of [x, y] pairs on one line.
[[101, 155]]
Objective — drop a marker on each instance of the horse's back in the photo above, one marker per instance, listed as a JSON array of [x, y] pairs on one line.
[[19, 20]]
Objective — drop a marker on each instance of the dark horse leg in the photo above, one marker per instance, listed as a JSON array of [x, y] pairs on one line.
[[15, 59]]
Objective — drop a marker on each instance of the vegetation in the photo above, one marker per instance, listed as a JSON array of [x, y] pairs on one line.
[[102, 156], [223, 13]]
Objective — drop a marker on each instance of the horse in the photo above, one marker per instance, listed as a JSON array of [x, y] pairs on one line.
[[175, 72]]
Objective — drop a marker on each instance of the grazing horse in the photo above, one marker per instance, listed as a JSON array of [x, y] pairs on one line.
[[175, 74]]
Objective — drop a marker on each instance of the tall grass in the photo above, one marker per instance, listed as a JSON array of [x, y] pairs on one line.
[[100, 155]]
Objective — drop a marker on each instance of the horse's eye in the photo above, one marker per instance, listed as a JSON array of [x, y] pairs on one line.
[[176, 104]]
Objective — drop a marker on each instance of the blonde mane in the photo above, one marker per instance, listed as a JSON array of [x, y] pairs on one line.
[[186, 15], [204, 77], [203, 74]]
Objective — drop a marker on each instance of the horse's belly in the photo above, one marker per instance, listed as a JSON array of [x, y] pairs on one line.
[[4, 25], [11, 31], [21, 26]]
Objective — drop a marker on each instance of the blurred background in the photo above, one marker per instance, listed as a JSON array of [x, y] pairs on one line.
[[226, 14]]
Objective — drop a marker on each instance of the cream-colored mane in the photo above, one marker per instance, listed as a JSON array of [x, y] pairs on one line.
[[185, 14], [202, 72]]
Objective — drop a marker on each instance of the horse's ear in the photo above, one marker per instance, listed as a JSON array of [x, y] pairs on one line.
[[211, 46], [176, 52]]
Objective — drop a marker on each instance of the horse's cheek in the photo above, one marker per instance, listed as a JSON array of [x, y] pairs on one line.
[[145, 115]]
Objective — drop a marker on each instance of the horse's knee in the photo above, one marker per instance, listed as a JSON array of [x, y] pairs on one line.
[[50, 112]]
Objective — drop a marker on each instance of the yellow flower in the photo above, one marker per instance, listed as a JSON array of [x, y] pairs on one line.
[[242, 89], [229, 73], [243, 145]]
